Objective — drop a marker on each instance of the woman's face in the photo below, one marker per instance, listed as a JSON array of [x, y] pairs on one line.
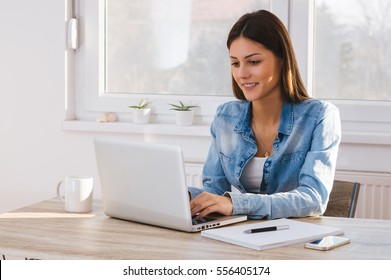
[[256, 70]]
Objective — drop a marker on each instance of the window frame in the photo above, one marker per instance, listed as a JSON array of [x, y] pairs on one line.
[[89, 86], [370, 124], [363, 121]]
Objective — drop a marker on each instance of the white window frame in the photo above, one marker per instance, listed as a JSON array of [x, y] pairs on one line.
[[90, 97], [362, 121]]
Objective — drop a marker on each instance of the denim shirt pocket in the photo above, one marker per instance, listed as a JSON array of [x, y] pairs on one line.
[[288, 169], [298, 156]]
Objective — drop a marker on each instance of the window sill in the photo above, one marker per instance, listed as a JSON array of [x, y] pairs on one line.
[[366, 138], [128, 127], [349, 136]]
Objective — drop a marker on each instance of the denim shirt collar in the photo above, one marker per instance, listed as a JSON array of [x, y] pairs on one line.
[[244, 119], [286, 120]]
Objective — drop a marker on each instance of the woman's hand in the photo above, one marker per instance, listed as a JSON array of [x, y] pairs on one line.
[[206, 203]]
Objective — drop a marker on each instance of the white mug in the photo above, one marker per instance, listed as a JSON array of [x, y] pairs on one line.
[[78, 192]]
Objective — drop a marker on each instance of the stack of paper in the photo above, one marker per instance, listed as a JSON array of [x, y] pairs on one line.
[[298, 232]]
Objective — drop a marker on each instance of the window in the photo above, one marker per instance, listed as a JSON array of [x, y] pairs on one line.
[[342, 49], [352, 49], [172, 46], [165, 50]]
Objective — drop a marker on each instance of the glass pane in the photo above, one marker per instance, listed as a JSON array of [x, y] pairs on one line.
[[171, 46], [353, 49]]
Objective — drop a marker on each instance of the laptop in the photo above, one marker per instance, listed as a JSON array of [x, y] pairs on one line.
[[146, 183]]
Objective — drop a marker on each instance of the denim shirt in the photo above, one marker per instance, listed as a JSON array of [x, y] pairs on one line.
[[297, 177]]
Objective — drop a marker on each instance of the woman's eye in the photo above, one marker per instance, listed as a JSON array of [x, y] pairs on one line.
[[236, 64], [254, 62]]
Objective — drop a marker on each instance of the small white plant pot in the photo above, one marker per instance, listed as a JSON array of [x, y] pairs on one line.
[[141, 115], [184, 117]]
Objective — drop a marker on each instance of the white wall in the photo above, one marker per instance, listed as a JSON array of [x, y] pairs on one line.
[[34, 152]]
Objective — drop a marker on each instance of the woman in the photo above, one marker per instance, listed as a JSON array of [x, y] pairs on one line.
[[277, 146]]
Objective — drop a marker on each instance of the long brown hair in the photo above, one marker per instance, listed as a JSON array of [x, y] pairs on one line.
[[267, 29]]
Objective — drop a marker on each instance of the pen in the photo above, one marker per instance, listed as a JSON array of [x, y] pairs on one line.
[[264, 229]]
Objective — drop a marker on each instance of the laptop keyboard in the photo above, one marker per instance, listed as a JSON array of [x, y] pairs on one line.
[[208, 218]]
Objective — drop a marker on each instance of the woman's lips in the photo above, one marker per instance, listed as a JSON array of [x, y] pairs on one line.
[[249, 86]]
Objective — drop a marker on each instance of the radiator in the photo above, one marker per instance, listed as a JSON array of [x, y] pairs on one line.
[[374, 200], [194, 174]]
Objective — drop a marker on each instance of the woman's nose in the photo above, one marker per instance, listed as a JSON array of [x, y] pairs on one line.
[[243, 72]]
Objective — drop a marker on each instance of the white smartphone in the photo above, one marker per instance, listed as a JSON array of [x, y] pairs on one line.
[[327, 243]]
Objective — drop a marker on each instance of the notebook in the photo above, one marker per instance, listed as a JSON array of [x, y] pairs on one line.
[[296, 232], [146, 183]]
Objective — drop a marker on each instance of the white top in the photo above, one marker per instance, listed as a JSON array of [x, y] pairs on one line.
[[251, 178]]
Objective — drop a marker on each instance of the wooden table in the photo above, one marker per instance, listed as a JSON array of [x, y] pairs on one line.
[[45, 231]]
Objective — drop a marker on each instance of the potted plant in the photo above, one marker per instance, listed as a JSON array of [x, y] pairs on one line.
[[183, 113], [141, 111]]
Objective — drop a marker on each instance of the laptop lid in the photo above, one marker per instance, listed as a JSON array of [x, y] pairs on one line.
[[146, 183]]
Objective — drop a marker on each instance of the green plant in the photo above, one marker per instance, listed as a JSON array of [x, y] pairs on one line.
[[181, 107], [142, 104]]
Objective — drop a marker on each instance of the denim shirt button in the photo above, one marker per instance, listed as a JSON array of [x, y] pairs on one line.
[[267, 164]]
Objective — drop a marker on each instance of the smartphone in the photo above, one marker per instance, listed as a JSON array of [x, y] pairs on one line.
[[327, 243]]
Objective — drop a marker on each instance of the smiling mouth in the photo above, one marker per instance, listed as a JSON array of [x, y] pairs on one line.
[[249, 85]]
